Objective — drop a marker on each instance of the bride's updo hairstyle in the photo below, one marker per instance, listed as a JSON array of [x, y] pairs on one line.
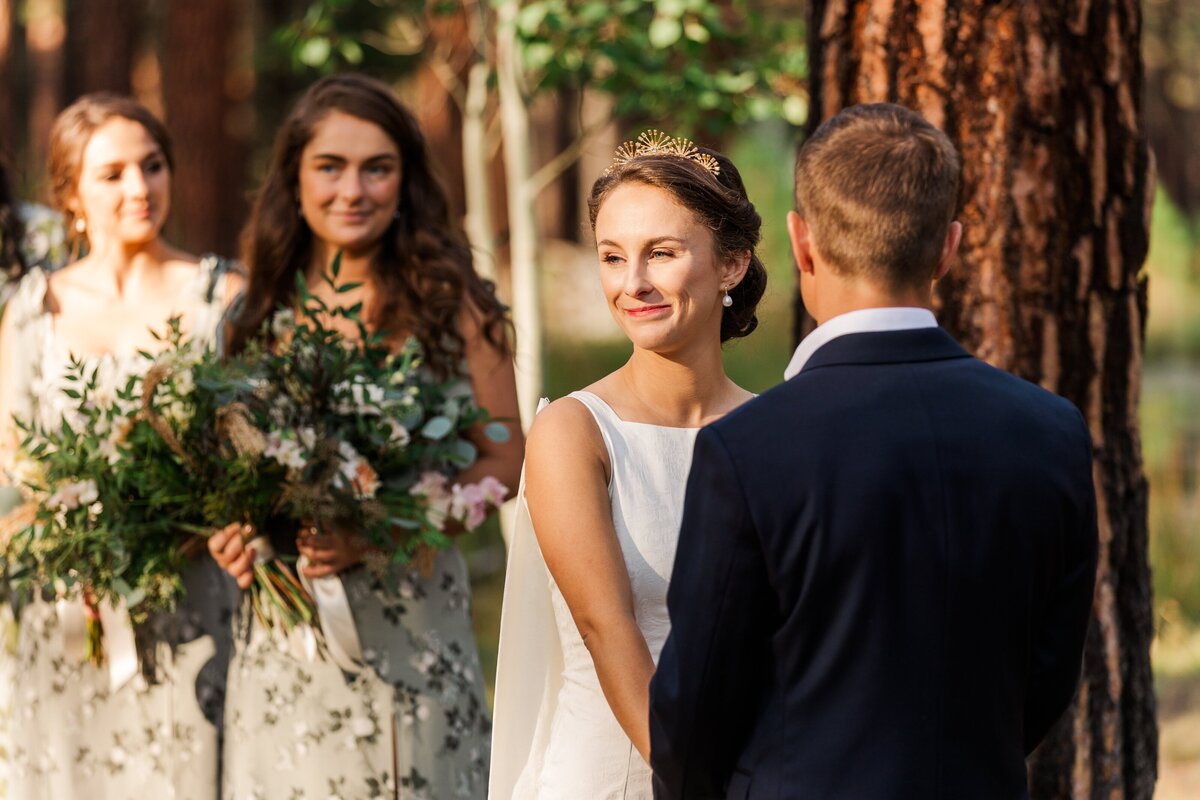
[[720, 202], [70, 134]]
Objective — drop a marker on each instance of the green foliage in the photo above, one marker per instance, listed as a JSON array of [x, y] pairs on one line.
[[704, 66], [333, 35], [98, 525]]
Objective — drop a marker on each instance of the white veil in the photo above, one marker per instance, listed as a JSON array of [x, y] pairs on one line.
[[529, 665]]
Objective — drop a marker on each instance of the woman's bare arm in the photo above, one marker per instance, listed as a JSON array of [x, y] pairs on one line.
[[566, 486], [494, 383]]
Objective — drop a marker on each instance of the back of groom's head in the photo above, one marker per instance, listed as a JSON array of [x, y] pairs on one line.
[[878, 187]]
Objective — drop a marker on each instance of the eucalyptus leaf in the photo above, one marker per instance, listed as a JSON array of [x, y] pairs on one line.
[[463, 454], [497, 432], [437, 428]]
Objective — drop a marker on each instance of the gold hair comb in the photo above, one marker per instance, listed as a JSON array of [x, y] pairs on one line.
[[657, 143]]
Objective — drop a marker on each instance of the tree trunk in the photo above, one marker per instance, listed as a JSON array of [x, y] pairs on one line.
[[209, 202], [1043, 101], [8, 105], [44, 35], [522, 220], [101, 41], [1173, 96], [477, 172]]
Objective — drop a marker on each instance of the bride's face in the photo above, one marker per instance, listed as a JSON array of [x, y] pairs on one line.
[[659, 269]]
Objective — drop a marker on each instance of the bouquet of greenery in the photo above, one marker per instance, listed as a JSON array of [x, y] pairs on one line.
[[311, 428], [307, 427], [92, 526]]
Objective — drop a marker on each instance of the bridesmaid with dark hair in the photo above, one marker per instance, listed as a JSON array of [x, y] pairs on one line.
[[350, 174]]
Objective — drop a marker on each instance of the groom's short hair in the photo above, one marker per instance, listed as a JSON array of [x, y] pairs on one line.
[[878, 187]]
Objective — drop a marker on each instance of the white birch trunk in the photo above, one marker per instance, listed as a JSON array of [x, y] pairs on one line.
[[523, 232], [475, 172]]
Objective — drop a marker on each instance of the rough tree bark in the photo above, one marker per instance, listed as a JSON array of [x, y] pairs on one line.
[[8, 31], [1172, 37], [101, 38], [45, 32], [1043, 101], [209, 201]]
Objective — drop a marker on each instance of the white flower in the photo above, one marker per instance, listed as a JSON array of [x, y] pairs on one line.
[[362, 727], [108, 448], [26, 470], [88, 492], [285, 450], [283, 323], [358, 397], [399, 435], [118, 756], [71, 496], [307, 437]]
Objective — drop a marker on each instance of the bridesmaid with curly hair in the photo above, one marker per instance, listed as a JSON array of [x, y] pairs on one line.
[[350, 174]]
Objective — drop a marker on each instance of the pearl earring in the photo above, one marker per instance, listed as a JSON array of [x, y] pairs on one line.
[[727, 301], [80, 225]]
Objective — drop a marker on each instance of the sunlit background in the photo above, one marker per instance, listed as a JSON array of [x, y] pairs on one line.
[[223, 108]]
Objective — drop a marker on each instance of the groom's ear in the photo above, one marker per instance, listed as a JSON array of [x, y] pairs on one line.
[[949, 250], [798, 232]]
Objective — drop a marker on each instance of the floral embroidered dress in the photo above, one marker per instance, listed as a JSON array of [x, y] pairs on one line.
[[78, 732], [412, 724]]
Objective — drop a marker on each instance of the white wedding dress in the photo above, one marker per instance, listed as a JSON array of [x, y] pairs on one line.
[[554, 735]]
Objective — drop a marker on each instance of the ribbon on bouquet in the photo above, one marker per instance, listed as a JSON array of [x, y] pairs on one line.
[[120, 647], [336, 619], [301, 641]]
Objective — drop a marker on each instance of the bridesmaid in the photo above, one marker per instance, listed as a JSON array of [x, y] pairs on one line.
[[350, 173], [87, 732], [30, 236]]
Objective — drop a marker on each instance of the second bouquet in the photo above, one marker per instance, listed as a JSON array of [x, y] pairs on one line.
[[311, 428]]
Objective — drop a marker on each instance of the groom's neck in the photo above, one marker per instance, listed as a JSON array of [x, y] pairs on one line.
[[839, 296]]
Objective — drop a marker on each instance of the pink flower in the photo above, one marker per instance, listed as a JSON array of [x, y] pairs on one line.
[[471, 503], [495, 491]]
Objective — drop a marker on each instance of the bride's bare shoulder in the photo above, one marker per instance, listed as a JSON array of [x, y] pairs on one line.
[[564, 437], [566, 420]]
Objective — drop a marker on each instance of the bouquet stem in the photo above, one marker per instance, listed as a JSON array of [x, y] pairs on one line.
[[279, 599], [94, 628]]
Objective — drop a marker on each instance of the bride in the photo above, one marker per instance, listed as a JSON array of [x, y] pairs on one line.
[[605, 473]]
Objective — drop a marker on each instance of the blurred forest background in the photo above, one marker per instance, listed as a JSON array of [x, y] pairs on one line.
[[570, 80]]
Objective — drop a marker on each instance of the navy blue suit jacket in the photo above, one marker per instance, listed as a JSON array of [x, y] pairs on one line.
[[883, 582]]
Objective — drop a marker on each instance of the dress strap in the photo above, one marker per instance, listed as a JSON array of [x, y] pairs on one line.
[[601, 410], [211, 297], [608, 422]]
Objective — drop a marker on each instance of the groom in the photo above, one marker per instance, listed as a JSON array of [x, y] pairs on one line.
[[886, 564]]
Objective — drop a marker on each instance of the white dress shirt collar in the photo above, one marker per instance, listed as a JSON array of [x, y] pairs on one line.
[[864, 320]]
